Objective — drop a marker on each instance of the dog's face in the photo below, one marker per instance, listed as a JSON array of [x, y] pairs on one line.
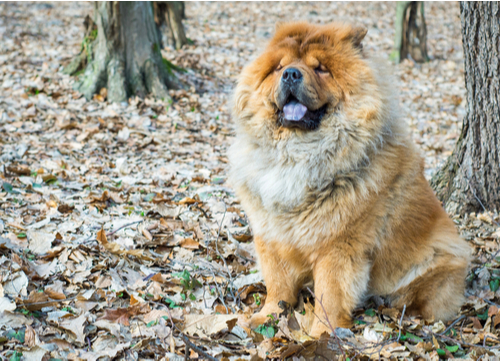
[[305, 74]]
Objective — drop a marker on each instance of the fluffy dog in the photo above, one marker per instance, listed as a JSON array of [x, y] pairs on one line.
[[334, 187]]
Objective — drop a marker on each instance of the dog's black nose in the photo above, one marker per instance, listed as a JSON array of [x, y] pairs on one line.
[[291, 76]]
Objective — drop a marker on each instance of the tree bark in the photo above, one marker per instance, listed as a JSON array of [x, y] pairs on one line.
[[169, 15], [410, 32], [470, 179], [125, 56]]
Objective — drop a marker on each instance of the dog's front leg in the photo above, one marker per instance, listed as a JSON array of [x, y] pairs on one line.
[[340, 281], [283, 271]]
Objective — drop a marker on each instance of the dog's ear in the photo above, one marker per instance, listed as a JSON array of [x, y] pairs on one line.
[[356, 35]]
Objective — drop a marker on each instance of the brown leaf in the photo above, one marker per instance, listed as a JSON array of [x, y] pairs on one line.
[[65, 208], [122, 315], [496, 320], [157, 278], [391, 312], [147, 234], [250, 289], [187, 200], [30, 337], [206, 325], [119, 315], [115, 197], [103, 92], [155, 315], [76, 327], [101, 237], [54, 294], [493, 310], [136, 300], [242, 237], [171, 224], [476, 323], [35, 297], [198, 232], [189, 243], [19, 169], [48, 177], [98, 98], [221, 309]]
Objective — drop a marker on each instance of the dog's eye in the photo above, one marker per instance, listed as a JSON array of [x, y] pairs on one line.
[[321, 69]]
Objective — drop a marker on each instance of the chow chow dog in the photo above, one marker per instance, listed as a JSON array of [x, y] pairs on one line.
[[333, 185]]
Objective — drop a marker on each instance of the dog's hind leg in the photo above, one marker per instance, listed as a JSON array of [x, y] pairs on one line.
[[438, 293]]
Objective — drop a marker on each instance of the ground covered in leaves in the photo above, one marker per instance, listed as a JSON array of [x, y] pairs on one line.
[[119, 237]]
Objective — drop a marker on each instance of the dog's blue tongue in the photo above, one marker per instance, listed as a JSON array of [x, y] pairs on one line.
[[294, 111]]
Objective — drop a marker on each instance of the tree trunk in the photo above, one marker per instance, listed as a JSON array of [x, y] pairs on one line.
[[410, 32], [169, 15], [470, 179], [125, 56]]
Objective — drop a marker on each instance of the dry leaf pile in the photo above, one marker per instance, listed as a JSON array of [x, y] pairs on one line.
[[119, 237]]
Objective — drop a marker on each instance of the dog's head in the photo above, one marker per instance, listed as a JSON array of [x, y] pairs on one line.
[[306, 73]]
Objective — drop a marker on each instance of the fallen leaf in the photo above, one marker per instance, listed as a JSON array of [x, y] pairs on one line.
[[76, 328], [189, 243], [207, 325], [40, 242]]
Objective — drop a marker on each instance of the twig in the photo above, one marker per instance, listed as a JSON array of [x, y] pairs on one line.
[[481, 203], [188, 343], [452, 324], [46, 302], [11, 276], [124, 226], [129, 353], [139, 327], [244, 258], [475, 196], [196, 348], [197, 206], [224, 260], [219, 292], [461, 329], [328, 320], [401, 321], [459, 342], [490, 303], [186, 352]]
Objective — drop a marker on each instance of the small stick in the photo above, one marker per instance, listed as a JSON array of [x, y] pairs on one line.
[[46, 302], [452, 324], [401, 321], [188, 343], [224, 260], [124, 226]]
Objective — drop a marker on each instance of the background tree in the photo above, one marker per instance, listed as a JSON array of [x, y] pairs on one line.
[[168, 17], [410, 32], [470, 179], [121, 53]]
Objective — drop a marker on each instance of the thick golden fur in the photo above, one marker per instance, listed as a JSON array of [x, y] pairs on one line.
[[345, 205]]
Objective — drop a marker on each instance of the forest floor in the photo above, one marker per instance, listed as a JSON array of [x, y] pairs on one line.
[[119, 237]]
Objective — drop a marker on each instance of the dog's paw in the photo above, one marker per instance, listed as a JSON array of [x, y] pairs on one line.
[[318, 329], [244, 322], [258, 319], [250, 323]]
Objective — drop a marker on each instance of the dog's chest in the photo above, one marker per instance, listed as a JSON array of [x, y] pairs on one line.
[[280, 188], [280, 185]]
